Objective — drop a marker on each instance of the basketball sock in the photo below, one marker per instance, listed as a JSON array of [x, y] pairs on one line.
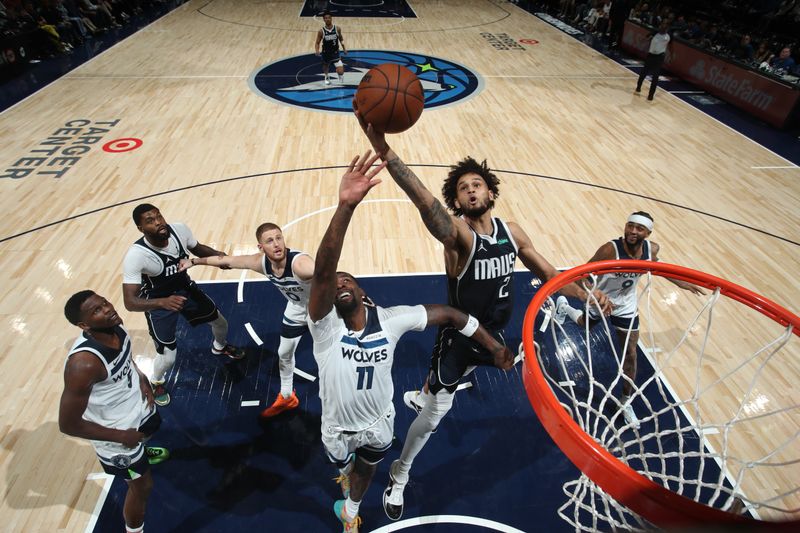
[[436, 407], [162, 364], [129, 529], [286, 350], [219, 328], [574, 314], [351, 508]]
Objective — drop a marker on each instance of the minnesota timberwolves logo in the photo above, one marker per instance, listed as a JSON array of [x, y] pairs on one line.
[[299, 81]]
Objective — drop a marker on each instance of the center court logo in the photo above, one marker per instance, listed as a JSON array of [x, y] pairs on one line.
[[299, 81]]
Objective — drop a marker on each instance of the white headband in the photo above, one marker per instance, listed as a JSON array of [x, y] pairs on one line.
[[644, 221]]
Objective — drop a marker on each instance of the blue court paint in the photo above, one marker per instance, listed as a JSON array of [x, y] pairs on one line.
[[489, 459]]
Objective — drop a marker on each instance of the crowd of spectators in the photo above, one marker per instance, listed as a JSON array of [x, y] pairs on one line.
[[762, 35], [54, 27]]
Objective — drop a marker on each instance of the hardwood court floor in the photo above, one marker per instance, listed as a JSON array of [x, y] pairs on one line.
[[575, 149]]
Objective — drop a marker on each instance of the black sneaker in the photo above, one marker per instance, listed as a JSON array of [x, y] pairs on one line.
[[230, 351]]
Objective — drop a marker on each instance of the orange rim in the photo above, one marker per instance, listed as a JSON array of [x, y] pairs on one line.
[[650, 500]]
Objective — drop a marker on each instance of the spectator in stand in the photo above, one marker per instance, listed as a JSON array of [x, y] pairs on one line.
[[744, 50], [784, 62], [762, 54], [678, 25], [616, 16]]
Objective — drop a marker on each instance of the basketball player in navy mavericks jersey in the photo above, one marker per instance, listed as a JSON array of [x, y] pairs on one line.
[[152, 282], [330, 37], [290, 271], [480, 251], [354, 346], [107, 400], [621, 290]]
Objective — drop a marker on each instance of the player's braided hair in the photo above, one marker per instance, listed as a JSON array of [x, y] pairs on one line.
[[468, 165]]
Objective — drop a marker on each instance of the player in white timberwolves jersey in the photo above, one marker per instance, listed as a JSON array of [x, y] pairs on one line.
[[479, 255], [330, 37], [153, 282], [290, 271], [354, 344], [621, 289], [107, 400]]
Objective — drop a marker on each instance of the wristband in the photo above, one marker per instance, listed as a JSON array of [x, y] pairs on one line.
[[192, 261], [471, 327]]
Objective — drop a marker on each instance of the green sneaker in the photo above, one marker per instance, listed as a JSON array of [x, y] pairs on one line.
[[349, 526], [156, 455]]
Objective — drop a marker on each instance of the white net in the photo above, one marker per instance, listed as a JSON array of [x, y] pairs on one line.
[[713, 412]]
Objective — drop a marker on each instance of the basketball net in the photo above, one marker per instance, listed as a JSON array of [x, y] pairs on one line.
[[717, 404]]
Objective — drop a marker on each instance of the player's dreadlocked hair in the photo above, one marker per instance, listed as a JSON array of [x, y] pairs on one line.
[[466, 166]]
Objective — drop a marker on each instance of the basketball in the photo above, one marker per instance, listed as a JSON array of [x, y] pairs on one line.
[[390, 98]]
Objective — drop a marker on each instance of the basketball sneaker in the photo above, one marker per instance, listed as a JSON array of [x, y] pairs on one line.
[[327, 81], [630, 416], [230, 351], [344, 481], [160, 394], [561, 310], [348, 525], [393, 495], [156, 455], [280, 405]]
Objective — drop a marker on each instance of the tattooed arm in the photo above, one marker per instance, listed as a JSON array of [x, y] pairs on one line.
[[451, 231]]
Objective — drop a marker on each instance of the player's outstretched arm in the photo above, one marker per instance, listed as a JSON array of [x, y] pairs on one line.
[[685, 285], [536, 263], [447, 229], [242, 262], [317, 42], [81, 372], [444, 315], [355, 185]]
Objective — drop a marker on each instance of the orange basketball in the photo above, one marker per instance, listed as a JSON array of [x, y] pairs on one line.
[[390, 98]]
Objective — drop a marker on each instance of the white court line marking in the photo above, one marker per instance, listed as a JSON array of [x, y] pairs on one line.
[[464, 386], [253, 334], [101, 500], [688, 92], [305, 375], [447, 519], [240, 287], [778, 167], [251, 403]]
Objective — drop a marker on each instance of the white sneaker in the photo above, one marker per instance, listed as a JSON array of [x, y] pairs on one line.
[[327, 81], [630, 416], [414, 400], [561, 310], [393, 495]]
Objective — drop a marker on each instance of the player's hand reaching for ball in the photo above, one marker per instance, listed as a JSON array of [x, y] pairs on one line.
[[359, 179], [376, 138]]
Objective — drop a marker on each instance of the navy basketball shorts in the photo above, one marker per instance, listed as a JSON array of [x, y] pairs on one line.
[[453, 357]]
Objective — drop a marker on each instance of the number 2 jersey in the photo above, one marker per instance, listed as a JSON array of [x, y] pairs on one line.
[[485, 286], [355, 368], [116, 402]]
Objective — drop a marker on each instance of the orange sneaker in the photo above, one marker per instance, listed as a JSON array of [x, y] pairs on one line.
[[280, 405]]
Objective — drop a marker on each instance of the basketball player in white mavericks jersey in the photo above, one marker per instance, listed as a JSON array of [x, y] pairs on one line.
[[290, 271], [354, 343], [621, 289], [480, 252], [108, 401]]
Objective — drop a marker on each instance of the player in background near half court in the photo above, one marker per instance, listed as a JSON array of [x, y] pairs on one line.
[[354, 345], [108, 401], [479, 252], [152, 282], [290, 271], [330, 37], [621, 289]]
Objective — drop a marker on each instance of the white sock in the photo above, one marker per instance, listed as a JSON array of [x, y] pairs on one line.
[[351, 509], [129, 529], [436, 407], [574, 314], [219, 328], [286, 350], [162, 364]]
